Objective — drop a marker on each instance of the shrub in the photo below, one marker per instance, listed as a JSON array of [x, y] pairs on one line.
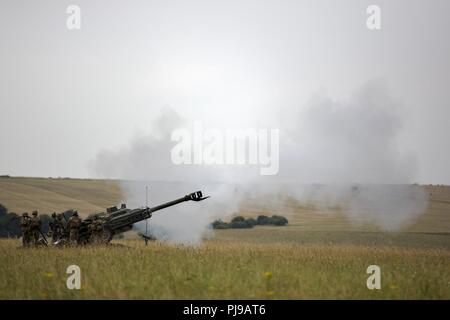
[[278, 220], [10, 225], [219, 224], [3, 210], [251, 222], [240, 222], [263, 220], [238, 219], [240, 225]]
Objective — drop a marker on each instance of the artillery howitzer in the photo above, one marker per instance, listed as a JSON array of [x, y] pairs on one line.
[[116, 221]]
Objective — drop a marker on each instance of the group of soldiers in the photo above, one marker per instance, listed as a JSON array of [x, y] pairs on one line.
[[60, 230]]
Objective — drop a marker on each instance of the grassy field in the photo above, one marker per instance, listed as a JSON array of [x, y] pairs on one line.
[[221, 269], [320, 255]]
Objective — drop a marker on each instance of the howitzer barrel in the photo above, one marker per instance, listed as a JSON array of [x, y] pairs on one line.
[[123, 220], [195, 196]]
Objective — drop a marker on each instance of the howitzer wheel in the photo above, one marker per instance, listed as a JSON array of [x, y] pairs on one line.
[[107, 235]]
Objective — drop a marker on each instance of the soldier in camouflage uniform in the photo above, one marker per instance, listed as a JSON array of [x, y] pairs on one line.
[[35, 227], [59, 226], [52, 227], [96, 229], [56, 227], [25, 226], [74, 226]]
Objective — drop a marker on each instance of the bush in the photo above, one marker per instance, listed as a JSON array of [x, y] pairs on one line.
[[252, 222], [3, 210], [263, 220], [239, 225], [279, 220], [240, 222], [238, 219], [219, 224], [10, 225]]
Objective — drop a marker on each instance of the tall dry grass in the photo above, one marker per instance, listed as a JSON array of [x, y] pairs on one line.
[[223, 270]]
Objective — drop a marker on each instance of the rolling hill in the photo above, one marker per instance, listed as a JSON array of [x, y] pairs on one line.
[[20, 194]]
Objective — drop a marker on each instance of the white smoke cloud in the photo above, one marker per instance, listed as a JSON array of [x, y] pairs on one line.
[[351, 147], [353, 141], [389, 207], [186, 222]]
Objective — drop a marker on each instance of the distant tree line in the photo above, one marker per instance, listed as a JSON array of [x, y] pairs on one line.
[[240, 222], [10, 223]]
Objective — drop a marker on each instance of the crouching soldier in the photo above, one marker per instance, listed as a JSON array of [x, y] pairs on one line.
[[74, 227], [35, 227], [25, 226], [96, 228]]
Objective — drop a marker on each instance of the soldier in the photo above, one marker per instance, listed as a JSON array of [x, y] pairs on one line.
[[56, 227], [25, 226], [96, 228], [52, 227], [74, 226], [59, 226], [35, 227]]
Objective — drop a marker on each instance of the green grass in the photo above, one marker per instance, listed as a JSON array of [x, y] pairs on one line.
[[221, 269], [295, 234]]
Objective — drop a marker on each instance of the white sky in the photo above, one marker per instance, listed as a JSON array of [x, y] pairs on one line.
[[67, 95]]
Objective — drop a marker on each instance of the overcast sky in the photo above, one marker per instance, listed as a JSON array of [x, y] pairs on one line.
[[66, 96]]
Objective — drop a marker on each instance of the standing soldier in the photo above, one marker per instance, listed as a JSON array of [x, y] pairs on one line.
[[59, 226], [74, 226], [52, 226], [56, 227], [35, 227], [25, 226], [96, 228]]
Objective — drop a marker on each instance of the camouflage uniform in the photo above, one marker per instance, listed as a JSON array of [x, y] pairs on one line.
[[52, 227], [74, 226], [96, 229], [25, 226], [56, 227], [35, 227], [59, 226]]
